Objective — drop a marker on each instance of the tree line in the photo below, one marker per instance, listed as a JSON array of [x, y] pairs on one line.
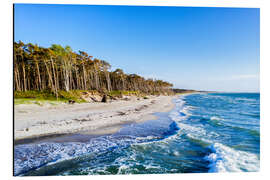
[[60, 68]]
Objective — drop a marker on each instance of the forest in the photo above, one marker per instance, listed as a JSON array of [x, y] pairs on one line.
[[58, 68]]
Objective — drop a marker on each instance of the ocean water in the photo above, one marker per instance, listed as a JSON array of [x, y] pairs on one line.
[[218, 132]]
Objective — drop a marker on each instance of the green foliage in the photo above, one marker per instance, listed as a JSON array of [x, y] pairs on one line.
[[48, 95], [156, 93], [72, 95], [37, 101], [40, 97]]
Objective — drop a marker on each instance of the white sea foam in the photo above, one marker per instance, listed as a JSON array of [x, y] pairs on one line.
[[226, 159], [213, 118], [176, 153], [245, 99], [181, 113], [122, 167], [181, 110], [146, 138], [217, 120], [32, 156], [129, 161]]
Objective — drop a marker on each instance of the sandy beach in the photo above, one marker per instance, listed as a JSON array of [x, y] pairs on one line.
[[32, 121]]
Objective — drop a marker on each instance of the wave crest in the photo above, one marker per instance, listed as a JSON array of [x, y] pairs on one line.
[[226, 159]]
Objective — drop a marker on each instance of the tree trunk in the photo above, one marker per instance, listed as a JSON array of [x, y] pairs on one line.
[[24, 80], [38, 74], [50, 77], [55, 81]]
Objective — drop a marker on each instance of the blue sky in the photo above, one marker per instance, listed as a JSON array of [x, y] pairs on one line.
[[194, 48]]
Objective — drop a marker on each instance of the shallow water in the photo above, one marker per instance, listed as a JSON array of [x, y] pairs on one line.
[[203, 133]]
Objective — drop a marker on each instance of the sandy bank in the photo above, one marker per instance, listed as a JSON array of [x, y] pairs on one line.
[[94, 118]]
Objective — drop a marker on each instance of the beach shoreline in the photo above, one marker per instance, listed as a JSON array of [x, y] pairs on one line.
[[33, 121]]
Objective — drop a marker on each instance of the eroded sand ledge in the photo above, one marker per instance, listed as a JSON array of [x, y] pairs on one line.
[[32, 120]]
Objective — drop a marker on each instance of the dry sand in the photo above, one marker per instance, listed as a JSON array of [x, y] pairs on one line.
[[32, 120]]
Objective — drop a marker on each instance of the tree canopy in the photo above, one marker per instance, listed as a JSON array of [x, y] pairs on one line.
[[60, 68]]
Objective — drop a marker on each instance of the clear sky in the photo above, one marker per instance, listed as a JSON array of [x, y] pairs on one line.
[[193, 48]]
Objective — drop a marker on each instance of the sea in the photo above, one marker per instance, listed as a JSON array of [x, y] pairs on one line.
[[204, 133]]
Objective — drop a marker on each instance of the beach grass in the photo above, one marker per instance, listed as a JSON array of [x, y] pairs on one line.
[[48, 97], [39, 102], [42, 97]]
